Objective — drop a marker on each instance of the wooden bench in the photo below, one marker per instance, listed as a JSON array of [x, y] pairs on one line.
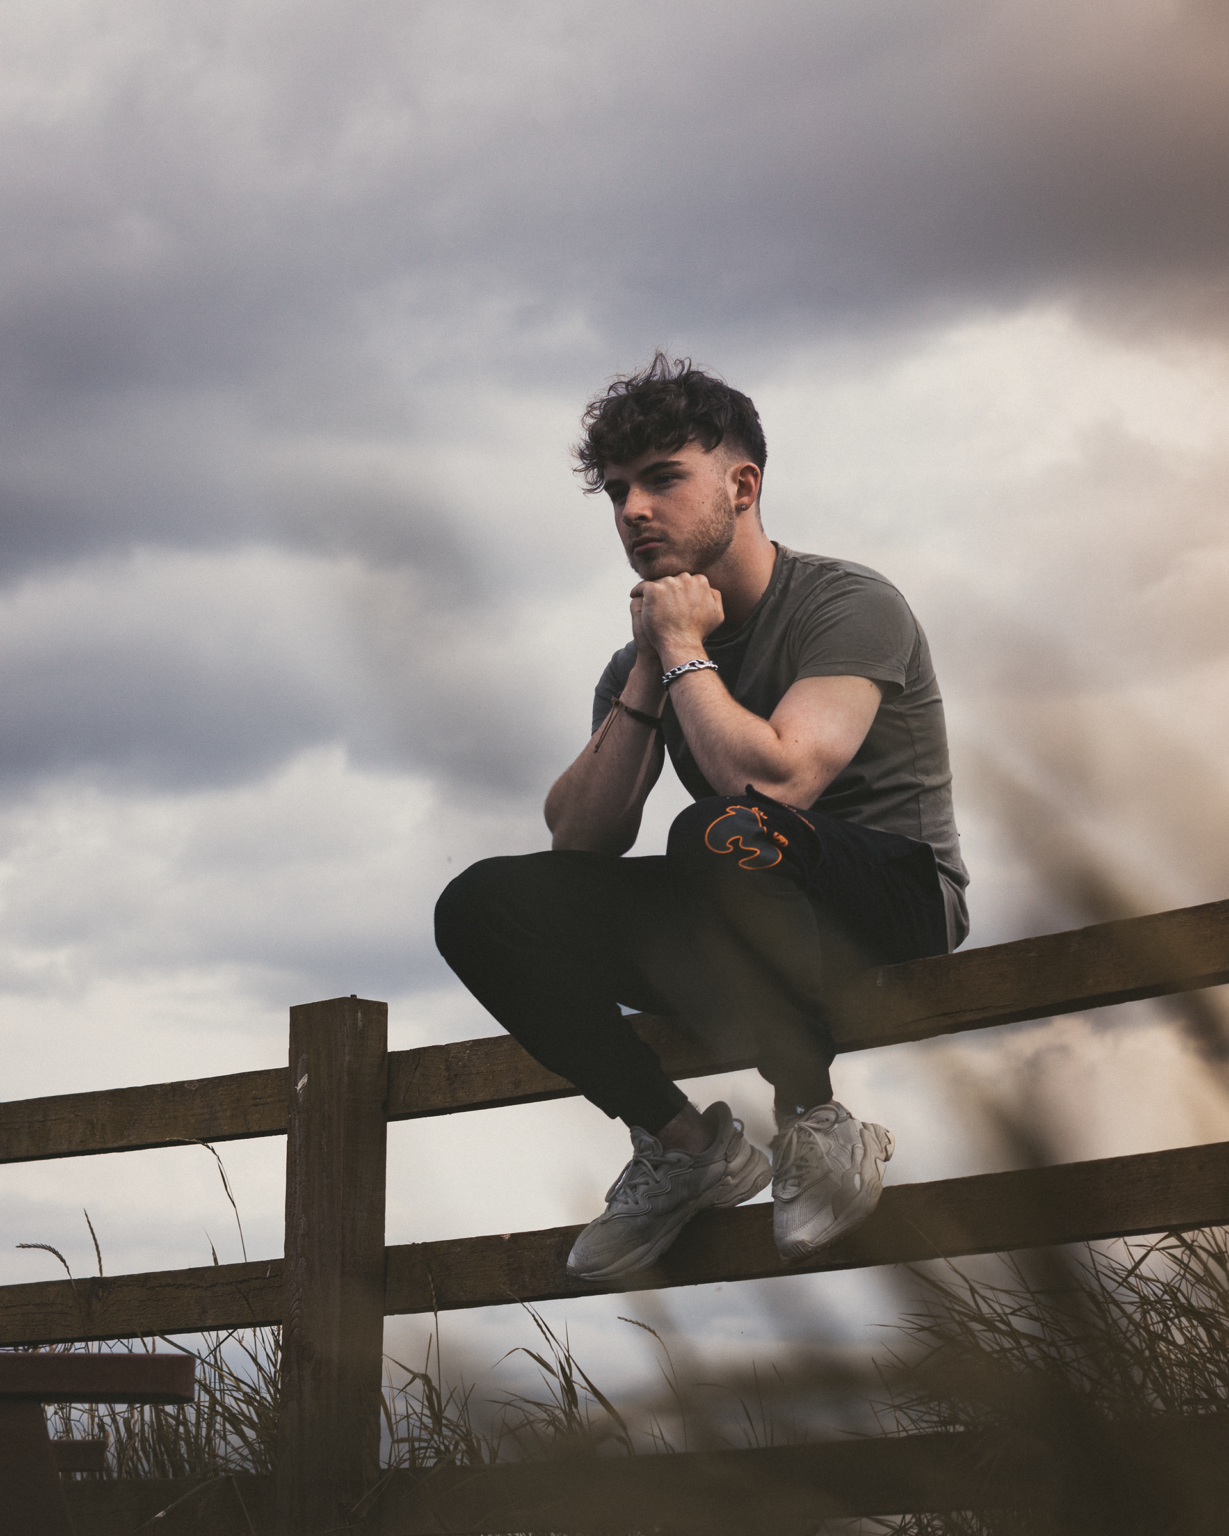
[[30, 1461]]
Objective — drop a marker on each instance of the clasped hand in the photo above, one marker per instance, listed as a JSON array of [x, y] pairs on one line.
[[673, 615]]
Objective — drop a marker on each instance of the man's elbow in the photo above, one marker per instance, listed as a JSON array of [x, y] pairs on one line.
[[799, 789], [792, 792], [575, 829], [567, 838], [554, 805]]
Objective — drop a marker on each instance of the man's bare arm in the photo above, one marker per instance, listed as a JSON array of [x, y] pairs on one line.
[[596, 804], [813, 733], [815, 730]]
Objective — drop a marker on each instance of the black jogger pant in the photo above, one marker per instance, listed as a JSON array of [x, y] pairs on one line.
[[751, 920]]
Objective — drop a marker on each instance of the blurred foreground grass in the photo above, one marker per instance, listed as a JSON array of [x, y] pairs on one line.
[[1052, 1353]]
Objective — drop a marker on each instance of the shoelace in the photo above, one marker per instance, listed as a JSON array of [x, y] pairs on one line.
[[642, 1172], [797, 1148]]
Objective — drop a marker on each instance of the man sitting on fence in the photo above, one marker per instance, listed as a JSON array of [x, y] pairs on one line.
[[796, 699]]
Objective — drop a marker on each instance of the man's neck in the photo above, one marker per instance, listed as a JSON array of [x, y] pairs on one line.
[[743, 572]]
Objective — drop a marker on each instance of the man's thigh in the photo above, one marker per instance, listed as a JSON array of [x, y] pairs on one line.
[[881, 889], [611, 918], [868, 897]]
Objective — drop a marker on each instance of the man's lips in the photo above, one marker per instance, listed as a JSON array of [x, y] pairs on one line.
[[647, 545]]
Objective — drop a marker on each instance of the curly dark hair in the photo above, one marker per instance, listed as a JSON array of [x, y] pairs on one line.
[[665, 405]]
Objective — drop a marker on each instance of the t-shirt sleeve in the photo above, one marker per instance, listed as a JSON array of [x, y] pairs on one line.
[[858, 626], [612, 682]]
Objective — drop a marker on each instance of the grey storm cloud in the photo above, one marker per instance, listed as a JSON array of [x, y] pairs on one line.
[[233, 200], [232, 233], [185, 670]]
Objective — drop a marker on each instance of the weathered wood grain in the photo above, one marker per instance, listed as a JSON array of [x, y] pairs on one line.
[[231, 1108], [1179, 1189], [433, 1080], [1138, 957], [332, 1354], [1032, 978], [1111, 1197], [130, 1306]]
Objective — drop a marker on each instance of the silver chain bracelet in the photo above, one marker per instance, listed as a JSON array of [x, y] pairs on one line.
[[701, 664]]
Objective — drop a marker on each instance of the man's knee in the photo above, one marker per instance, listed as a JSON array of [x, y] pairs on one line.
[[720, 832], [468, 904]]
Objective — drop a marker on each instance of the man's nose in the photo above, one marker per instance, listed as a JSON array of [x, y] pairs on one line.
[[637, 506]]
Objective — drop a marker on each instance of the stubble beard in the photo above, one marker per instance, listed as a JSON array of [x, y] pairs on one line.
[[708, 542]]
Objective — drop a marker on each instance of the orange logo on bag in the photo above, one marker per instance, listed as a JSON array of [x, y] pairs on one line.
[[745, 828]]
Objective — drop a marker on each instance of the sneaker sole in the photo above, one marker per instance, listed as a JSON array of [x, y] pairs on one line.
[[750, 1173], [804, 1247], [642, 1258]]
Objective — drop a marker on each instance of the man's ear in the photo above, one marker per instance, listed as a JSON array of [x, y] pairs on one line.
[[744, 478]]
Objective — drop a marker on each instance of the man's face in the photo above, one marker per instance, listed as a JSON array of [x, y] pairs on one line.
[[674, 509]]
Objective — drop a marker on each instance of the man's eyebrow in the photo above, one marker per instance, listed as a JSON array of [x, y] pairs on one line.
[[649, 469]]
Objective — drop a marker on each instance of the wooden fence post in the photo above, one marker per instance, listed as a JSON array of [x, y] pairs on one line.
[[333, 1310]]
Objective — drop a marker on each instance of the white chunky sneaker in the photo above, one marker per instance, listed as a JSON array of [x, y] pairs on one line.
[[827, 1176], [659, 1192]]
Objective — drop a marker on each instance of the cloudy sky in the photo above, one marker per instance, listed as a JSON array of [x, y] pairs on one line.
[[301, 608]]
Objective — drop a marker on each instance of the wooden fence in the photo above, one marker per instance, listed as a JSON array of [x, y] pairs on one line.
[[338, 1281]]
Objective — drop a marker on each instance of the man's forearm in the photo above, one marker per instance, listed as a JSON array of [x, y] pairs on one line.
[[596, 804], [815, 730], [733, 747]]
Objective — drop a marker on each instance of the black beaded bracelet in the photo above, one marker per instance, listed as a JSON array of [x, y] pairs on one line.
[[652, 721]]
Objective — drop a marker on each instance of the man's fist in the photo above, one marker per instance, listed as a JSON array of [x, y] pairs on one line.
[[674, 615]]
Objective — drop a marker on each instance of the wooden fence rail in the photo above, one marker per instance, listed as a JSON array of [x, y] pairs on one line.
[[1176, 1190], [338, 1280], [1001, 984]]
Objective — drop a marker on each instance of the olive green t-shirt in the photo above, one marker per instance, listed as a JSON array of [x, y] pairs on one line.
[[831, 618]]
